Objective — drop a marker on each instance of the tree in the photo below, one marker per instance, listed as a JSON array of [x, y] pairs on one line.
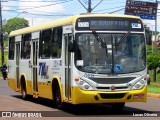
[[15, 24], [153, 61], [148, 34], [11, 25]]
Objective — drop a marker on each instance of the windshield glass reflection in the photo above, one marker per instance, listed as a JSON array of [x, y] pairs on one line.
[[125, 55]]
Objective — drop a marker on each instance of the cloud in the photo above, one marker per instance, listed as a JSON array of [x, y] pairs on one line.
[[34, 9], [37, 21], [37, 7], [6, 5]]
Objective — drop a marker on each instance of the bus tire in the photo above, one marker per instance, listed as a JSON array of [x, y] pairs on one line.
[[57, 97], [118, 106], [23, 90]]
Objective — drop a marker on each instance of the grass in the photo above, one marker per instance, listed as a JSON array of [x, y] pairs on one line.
[[153, 89], [157, 76]]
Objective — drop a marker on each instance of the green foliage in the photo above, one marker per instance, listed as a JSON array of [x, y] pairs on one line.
[[11, 25], [157, 76], [15, 24], [149, 49], [148, 35], [5, 57], [153, 61]]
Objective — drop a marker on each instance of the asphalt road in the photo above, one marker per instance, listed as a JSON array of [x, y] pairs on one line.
[[12, 102]]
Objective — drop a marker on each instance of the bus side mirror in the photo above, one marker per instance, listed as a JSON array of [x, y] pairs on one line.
[[71, 46]]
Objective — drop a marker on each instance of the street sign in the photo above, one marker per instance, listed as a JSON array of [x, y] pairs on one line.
[[145, 10]]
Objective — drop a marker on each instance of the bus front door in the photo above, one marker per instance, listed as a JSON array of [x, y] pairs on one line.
[[17, 46], [34, 67], [68, 38]]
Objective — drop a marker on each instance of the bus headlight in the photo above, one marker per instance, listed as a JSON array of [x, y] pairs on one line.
[[82, 84], [140, 84]]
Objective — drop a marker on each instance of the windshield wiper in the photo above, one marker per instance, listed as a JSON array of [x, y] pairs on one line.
[[99, 39], [122, 39]]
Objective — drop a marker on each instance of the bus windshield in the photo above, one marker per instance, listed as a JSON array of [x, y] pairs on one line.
[[121, 54]]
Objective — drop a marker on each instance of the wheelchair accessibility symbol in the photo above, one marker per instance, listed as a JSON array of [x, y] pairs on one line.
[[118, 68]]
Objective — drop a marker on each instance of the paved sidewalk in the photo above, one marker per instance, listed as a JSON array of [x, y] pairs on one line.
[[153, 95]]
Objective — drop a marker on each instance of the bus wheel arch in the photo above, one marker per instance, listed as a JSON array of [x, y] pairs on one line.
[[57, 95], [23, 87]]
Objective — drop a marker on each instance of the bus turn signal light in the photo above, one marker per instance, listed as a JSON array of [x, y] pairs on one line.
[[138, 96], [77, 79]]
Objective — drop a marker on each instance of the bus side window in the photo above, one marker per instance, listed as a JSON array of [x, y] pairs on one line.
[[11, 48], [45, 44], [26, 47], [56, 43]]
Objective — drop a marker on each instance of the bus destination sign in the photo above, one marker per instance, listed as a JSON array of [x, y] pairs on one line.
[[108, 24]]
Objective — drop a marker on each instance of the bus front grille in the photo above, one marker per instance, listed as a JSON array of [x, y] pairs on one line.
[[109, 88], [112, 80], [112, 96]]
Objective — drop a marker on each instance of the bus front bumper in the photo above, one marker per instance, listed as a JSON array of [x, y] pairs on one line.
[[80, 96]]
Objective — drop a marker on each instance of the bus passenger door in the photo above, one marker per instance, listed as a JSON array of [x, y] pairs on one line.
[[17, 47], [34, 64], [67, 38]]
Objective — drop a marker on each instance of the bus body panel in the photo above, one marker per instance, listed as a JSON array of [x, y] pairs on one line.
[[90, 96], [12, 83]]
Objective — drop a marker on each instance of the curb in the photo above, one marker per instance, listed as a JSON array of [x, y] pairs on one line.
[[153, 95]]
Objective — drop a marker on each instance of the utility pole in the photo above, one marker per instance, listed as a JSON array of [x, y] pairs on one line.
[[89, 6], [89, 9], [156, 28], [155, 47], [1, 34]]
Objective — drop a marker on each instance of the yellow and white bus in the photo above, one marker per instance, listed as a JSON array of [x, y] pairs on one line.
[[87, 58]]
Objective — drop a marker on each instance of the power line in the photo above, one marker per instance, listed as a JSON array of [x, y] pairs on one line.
[[96, 5], [50, 14], [18, 6], [113, 2], [108, 9], [35, 6], [43, 6], [72, 8], [35, 1], [55, 14], [82, 5], [116, 11], [89, 9], [39, 6]]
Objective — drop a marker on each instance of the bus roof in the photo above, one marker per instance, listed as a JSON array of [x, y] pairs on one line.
[[64, 21]]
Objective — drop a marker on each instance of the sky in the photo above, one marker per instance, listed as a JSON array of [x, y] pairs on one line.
[[42, 11]]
